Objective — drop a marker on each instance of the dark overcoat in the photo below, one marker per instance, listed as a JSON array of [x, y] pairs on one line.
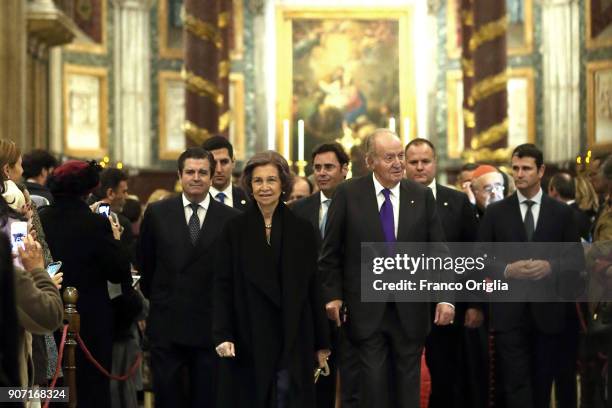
[[267, 301]]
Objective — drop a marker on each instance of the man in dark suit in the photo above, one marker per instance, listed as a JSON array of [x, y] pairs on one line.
[[380, 207], [222, 188], [330, 165], [528, 334], [444, 352], [176, 252]]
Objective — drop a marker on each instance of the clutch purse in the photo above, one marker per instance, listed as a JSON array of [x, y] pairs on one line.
[[321, 372]]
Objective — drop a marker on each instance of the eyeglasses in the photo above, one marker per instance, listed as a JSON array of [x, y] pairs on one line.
[[493, 188]]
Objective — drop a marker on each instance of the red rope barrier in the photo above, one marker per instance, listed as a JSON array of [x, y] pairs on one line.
[[104, 371], [60, 355]]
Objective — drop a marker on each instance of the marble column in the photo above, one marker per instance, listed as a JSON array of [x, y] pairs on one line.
[[13, 70], [561, 79], [132, 101]]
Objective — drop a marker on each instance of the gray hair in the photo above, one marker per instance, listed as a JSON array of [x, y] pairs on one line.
[[370, 141]]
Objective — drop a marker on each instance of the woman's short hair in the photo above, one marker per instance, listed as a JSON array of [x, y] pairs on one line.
[[9, 154], [262, 159]]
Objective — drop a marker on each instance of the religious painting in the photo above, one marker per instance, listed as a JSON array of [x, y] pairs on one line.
[[519, 37], [170, 24], [171, 115], [330, 73], [85, 111], [90, 18], [521, 109], [599, 103], [598, 23]]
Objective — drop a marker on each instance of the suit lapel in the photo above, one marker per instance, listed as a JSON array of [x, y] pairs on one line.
[[519, 225], [208, 231], [406, 213], [543, 219], [369, 205]]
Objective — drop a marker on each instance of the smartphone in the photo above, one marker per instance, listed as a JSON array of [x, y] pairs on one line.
[[135, 279], [19, 231], [104, 209], [54, 268]]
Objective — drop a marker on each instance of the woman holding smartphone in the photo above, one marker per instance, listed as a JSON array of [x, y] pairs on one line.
[[269, 322]]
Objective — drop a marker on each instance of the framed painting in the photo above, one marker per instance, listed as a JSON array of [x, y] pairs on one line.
[[170, 28], [521, 110], [90, 17], [599, 104], [598, 16], [85, 104], [330, 75], [171, 115], [519, 38]]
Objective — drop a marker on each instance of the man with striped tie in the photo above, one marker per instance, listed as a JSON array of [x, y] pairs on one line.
[[330, 165], [222, 188], [177, 249]]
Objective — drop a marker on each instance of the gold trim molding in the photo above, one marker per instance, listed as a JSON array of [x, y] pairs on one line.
[[202, 87]]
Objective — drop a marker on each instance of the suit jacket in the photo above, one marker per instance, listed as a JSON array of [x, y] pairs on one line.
[[177, 276], [353, 218], [240, 199], [308, 208], [456, 215], [503, 222], [584, 221], [267, 302]]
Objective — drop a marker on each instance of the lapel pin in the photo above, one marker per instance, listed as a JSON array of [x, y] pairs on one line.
[[411, 201], [243, 202], [445, 203]]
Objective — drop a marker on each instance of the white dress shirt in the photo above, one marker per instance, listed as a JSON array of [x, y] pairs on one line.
[[202, 209], [535, 208], [394, 197], [323, 208], [432, 187], [229, 199]]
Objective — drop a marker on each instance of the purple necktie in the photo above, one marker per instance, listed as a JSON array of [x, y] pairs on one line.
[[386, 217]]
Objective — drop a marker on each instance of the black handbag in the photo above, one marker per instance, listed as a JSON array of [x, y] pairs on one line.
[[600, 324]]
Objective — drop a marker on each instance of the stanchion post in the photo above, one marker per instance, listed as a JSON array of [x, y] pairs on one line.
[[72, 318]]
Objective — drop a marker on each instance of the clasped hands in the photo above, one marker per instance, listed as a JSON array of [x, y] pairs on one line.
[[528, 269], [445, 313]]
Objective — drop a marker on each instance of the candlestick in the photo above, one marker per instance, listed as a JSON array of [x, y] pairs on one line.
[[392, 124], [286, 151], [300, 140]]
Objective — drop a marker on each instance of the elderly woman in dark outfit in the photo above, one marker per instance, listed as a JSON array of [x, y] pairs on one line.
[[269, 321]]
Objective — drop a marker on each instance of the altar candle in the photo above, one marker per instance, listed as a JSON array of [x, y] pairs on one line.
[[286, 139], [300, 140], [392, 124]]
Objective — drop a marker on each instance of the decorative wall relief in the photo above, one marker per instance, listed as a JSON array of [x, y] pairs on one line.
[[599, 104], [171, 115]]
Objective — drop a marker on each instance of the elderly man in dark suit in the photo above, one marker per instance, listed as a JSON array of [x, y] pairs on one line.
[[528, 334], [444, 347], [222, 188], [177, 240], [330, 165], [380, 207]]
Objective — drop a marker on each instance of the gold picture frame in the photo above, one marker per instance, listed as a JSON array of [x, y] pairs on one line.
[[165, 50], [85, 111], [599, 135], [171, 114], [592, 43], [520, 80], [92, 47], [453, 23], [237, 127], [285, 17]]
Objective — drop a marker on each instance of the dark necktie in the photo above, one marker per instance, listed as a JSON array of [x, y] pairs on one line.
[[194, 223], [220, 197], [386, 217], [529, 222], [324, 208]]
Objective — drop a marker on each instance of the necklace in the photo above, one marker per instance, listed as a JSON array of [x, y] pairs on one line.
[[268, 226]]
